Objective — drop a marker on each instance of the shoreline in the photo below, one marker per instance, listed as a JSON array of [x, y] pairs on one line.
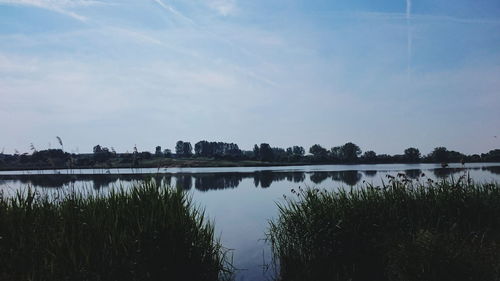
[[215, 164]]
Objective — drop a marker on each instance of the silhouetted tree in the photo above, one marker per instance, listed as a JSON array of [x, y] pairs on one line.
[[256, 152], [491, 156], [158, 151], [217, 149], [101, 154], [279, 154], [179, 148], [97, 149], [318, 152], [370, 156], [336, 153], [183, 148], [266, 153], [412, 154], [295, 153], [350, 152], [145, 155], [439, 154], [298, 151]]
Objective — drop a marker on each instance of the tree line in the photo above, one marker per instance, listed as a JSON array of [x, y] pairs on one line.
[[348, 153]]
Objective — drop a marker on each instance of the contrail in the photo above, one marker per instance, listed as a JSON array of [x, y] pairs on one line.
[[229, 42], [409, 39], [173, 11]]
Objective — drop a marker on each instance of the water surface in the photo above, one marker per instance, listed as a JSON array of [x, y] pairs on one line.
[[241, 200]]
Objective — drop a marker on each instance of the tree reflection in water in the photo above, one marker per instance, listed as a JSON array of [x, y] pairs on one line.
[[219, 181]]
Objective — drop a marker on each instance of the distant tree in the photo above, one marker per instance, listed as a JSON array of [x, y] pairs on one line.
[[454, 156], [97, 149], [295, 151], [318, 152], [412, 154], [477, 158], [158, 151], [101, 154], [370, 156], [350, 152], [183, 148], [56, 155], [298, 151], [279, 154], [145, 155], [266, 153], [247, 154], [256, 152], [188, 149], [201, 148], [336, 153], [491, 156], [167, 153], [217, 149], [179, 148], [439, 154]]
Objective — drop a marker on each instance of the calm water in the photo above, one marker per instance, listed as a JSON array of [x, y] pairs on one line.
[[241, 201]]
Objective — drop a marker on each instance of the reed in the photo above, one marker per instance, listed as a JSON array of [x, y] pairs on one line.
[[447, 230], [148, 232]]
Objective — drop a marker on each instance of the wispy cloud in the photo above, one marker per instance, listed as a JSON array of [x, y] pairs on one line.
[[223, 7], [415, 18], [59, 6], [174, 11], [143, 64], [409, 35]]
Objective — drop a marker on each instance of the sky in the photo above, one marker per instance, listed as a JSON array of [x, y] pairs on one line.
[[386, 75]]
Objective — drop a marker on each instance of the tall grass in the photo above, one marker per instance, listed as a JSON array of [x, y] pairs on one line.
[[399, 231], [150, 232]]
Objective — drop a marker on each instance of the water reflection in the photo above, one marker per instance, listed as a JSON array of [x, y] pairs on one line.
[[319, 177], [413, 173], [493, 169], [229, 180], [184, 181], [204, 182], [444, 173], [296, 177], [370, 173], [348, 177]]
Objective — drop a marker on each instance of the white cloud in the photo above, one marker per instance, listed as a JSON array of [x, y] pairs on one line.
[[223, 7]]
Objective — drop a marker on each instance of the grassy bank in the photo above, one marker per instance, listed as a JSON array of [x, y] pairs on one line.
[[402, 231], [150, 232]]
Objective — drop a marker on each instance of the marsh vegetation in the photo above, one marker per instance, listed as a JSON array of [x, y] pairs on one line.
[[446, 230], [148, 232]]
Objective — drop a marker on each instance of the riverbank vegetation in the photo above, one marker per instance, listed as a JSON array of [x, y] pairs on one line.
[[400, 231], [150, 232], [221, 154]]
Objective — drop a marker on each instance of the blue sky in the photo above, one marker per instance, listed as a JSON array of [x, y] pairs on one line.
[[386, 75]]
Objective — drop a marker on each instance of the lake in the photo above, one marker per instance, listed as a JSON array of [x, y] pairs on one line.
[[242, 200]]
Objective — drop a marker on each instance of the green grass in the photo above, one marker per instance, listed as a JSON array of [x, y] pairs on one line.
[[400, 231], [149, 232]]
